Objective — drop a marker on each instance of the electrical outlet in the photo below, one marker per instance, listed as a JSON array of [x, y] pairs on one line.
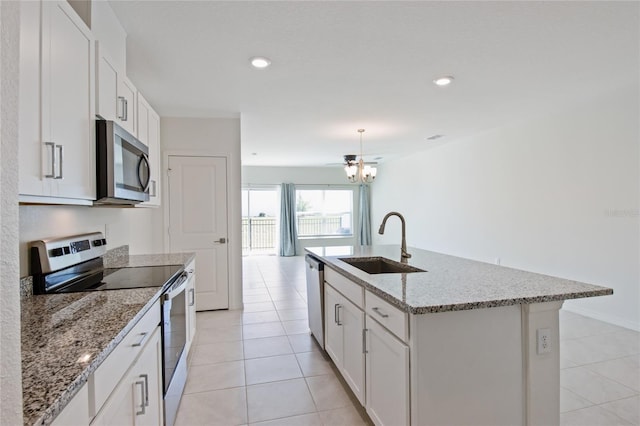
[[544, 340]]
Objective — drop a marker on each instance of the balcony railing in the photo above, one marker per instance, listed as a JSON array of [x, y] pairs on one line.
[[259, 233]]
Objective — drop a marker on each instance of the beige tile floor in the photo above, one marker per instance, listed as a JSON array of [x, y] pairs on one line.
[[260, 366]]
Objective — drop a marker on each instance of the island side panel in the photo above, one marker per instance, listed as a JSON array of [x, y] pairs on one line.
[[542, 370], [467, 367]]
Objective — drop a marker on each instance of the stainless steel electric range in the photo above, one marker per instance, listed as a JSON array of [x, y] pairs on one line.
[[75, 264]]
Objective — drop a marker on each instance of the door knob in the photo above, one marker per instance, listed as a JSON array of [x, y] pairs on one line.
[[221, 241]]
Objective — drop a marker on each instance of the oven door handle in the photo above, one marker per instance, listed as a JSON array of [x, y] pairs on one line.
[[176, 288]]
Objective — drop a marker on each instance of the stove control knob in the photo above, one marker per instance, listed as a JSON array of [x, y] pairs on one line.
[[56, 252], [99, 242]]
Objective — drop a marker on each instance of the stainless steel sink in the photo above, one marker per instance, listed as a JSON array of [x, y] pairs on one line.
[[379, 265]]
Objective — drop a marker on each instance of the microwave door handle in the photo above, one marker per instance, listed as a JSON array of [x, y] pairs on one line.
[[145, 185]]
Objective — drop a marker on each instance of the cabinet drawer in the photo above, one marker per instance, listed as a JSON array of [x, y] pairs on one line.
[[395, 320], [114, 367], [352, 291]]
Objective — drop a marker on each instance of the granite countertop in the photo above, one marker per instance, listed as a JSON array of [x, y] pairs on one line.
[[135, 260], [452, 283], [65, 337]]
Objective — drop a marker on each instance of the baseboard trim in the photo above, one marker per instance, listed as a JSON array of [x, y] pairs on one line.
[[603, 317]]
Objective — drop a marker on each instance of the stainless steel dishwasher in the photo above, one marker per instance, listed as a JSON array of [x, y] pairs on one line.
[[315, 297]]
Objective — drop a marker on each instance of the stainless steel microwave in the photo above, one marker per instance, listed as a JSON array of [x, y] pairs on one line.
[[122, 170]]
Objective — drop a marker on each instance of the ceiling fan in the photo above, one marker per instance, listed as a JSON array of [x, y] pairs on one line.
[[350, 159]]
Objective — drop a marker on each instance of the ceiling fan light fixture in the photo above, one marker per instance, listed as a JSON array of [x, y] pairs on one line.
[[260, 62], [445, 80], [356, 170]]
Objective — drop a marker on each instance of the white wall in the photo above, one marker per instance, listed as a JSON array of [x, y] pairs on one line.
[[305, 177], [558, 194], [213, 137], [109, 32], [121, 225], [10, 366], [300, 175]]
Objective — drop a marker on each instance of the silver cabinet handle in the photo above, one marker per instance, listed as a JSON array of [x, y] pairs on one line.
[[382, 314], [123, 108], [142, 406], [192, 292], [53, 159], [142, 339], [336, 313], [126, 110], [146, 389], [60, 161], [364, 341], [221, 241]]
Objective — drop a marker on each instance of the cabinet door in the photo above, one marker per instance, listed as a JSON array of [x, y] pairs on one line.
[[149, 134], [137, 400], [148, 369], [333, 334], [127, 105], [68, 101], [33, 153], [387, 376], [142, 111], [76, 413], [155, 159], [106, 85], [352, 320]]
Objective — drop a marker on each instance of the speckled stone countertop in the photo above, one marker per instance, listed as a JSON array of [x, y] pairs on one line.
[[65, 337], [452, 283], [136, 260]]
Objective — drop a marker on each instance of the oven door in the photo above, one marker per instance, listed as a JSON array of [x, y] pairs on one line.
[[174, 338]]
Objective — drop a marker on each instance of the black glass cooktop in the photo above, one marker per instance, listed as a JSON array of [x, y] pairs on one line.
[[90, 276]]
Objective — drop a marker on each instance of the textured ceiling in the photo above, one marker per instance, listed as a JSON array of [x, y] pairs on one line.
[[340, 66]]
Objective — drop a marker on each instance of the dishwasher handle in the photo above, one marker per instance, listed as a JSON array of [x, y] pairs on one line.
[[314, 263]]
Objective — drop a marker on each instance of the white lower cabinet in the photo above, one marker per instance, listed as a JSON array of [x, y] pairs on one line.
[[137, 400], [76, 412], [344, 325], [372, 360], [387, 376]]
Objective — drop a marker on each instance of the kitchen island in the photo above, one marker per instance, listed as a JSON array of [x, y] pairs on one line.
[[463, 342], [66, 337]]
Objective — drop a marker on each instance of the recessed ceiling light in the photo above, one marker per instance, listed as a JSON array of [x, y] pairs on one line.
[[444, 80], [260, 62]]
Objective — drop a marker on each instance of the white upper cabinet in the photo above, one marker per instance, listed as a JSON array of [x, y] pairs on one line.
[[126, 111], [116, 94], [57, 138], [149, 133], [106, 85]]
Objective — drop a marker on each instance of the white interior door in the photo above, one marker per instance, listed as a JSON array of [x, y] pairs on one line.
[[198, 223]]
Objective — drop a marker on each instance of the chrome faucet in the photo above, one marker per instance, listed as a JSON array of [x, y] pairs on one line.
[[404, 255]]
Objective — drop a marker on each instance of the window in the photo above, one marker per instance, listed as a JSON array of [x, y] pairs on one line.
[[259, 213], [324, 212]]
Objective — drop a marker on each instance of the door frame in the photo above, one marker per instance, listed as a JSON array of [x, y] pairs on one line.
[[234, 222]]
